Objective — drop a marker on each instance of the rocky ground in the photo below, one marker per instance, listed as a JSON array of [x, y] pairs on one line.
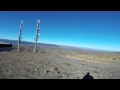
[[58, 63]]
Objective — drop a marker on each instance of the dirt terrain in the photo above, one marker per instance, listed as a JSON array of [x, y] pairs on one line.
[[58, 63]]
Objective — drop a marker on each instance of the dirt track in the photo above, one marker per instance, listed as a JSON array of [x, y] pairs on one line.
[[51, 63]]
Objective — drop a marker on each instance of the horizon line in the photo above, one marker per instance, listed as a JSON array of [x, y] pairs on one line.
[[79, 47]]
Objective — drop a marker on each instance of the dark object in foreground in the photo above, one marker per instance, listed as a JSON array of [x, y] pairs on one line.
[[5, 46], [88, 76]]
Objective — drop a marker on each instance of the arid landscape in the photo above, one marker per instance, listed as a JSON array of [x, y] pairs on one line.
[[58, 63], [60, 45]]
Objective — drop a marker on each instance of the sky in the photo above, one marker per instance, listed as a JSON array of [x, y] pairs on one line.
[[91, 29]]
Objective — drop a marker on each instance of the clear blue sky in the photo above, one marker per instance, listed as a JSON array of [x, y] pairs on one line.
[[92, 29]]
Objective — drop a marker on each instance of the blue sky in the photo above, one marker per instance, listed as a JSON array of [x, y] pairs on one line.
[[92, 29]]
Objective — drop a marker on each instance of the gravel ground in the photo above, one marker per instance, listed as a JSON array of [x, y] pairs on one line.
[[48, 64]]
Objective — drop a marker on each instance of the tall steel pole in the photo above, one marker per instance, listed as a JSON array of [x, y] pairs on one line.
[[37, 34], [19, 35]]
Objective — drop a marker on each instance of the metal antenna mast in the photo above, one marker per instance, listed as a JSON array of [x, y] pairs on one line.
[[19, 35], [37, 34]]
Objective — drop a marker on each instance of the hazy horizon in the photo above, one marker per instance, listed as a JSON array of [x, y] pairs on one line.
[[75, 47], [89, 29]]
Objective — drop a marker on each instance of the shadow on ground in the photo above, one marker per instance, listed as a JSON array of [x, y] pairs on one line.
[[88, 76]]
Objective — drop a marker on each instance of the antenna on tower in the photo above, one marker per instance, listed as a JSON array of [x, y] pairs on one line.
[[19, 35], [37, 34]]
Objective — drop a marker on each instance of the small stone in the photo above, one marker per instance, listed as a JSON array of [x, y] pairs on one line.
[[36, 69], [43, 51], [25, 71], [55, 64], [47, 71], [53, 68], [61, 76], [10, 65], [37, 51], [44, 71], [113, 58], [58, 72], [33, 62]]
